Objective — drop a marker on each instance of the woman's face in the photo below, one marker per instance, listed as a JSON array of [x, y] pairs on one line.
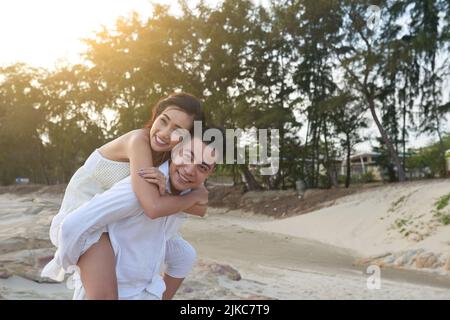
[[170, 119]]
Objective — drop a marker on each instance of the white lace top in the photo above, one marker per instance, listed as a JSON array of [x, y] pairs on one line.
[[94, 177]]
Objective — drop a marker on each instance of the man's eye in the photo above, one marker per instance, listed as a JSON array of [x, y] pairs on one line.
[[164, 120]]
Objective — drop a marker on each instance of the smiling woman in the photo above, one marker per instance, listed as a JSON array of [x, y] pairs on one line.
[[42, 32]]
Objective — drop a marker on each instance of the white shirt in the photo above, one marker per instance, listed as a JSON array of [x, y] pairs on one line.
[[138, 241]]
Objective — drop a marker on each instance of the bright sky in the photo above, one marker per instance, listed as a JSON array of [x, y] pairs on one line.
[[40, 32]]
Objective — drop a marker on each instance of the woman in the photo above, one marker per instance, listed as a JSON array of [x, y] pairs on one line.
[[142, 148]]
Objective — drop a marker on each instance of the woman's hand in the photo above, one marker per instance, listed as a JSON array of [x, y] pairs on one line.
[[197, 210], [201, 195], [153, 175]]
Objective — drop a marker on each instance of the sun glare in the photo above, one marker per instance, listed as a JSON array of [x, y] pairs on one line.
[[41, 32]]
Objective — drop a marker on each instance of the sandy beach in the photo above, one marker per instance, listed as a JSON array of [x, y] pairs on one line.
[[243, 255]]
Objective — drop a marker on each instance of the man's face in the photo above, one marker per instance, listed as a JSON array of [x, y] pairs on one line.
[[192, 162]]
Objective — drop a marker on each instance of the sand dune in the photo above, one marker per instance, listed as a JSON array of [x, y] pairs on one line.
[[397, 219]]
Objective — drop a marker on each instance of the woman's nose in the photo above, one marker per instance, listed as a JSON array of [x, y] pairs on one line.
[[165, 133]]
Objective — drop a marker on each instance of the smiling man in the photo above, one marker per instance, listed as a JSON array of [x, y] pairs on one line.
[[138, 241]]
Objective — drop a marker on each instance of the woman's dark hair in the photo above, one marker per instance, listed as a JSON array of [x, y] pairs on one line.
[[185, 102]]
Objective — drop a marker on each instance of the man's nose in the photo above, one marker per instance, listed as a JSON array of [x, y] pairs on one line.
[[190, 169]]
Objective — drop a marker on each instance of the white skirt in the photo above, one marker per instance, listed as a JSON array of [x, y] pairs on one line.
[[97, 175]]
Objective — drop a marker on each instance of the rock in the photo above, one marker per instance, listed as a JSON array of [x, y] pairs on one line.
[[415, 237], [5, 274], [223, 270], [426, 260], [447, 264], [421, 260], [34, 210], [409, 256], [12, 244], [26, 263], [187, 289], [432, 260], [417, 254], [21, 243], [42, 261], [401, 261], [227, 271], [389, 260]]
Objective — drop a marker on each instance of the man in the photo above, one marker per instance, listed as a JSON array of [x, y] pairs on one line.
[[138, 241]]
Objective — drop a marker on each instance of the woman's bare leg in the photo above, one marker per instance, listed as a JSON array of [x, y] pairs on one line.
[[98, 271]]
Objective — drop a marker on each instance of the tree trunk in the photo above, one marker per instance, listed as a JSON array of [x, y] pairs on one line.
[[442, 152], [348, 174], [235, 176], [313, 157], [280, 175], [404, 136], [250, 180], [392, 154], [330, 168], [43, 166], [305, 151], [318, 156]]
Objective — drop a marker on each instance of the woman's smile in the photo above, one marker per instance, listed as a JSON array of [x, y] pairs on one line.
[[160, 143]]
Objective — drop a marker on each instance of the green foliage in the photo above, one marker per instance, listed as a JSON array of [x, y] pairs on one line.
[[429, 159], [442, 217], [443, 202], [364, 177], [253, 66], [396, 204]]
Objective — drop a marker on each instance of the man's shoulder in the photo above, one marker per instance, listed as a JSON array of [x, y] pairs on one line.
[[164, 168]]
